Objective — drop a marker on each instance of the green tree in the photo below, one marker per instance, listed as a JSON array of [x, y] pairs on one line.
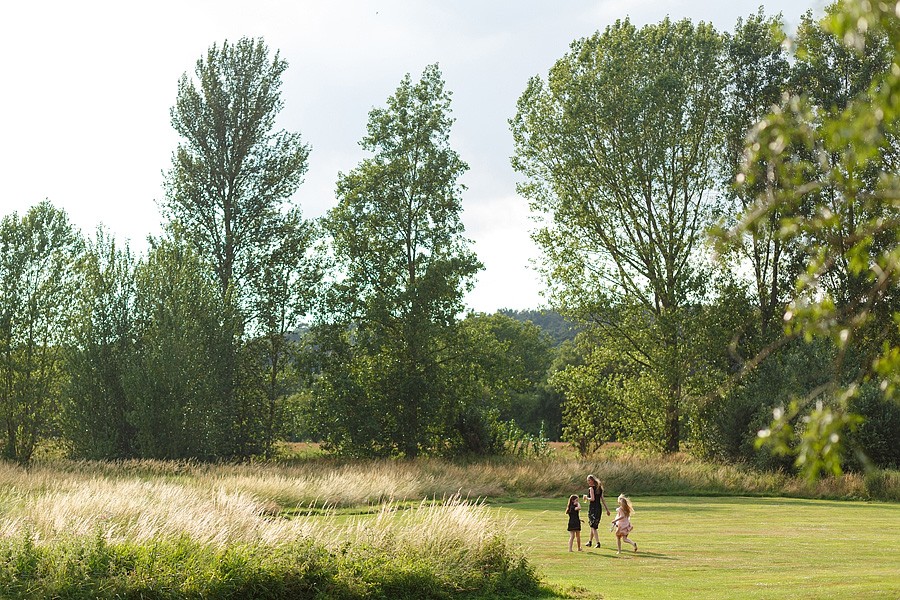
[[285, 288], [177, 373], [758, 73], [37, 282], [228, 191], [827, 168], [828, 75], [404, 269], [102, 346], [619, 148], [232, 174], [506, 364], [587, 410]]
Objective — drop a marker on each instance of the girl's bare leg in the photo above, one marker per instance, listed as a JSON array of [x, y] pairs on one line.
[[632, 543], [571, 539], [619, 545], [578, 537]]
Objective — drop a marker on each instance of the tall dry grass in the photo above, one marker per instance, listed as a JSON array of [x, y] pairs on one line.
[[222, 505], [176, 530]]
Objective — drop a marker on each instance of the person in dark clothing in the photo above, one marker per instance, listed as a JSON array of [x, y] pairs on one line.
[[573, 510], [595, 497]]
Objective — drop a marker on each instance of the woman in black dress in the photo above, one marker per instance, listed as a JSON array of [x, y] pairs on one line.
[[572, 509], [595, 497]]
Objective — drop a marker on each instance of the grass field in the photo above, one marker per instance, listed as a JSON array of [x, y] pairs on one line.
[[721, 548], [87, 530]]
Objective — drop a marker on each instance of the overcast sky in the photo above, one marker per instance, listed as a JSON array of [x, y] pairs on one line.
[[88, 87]]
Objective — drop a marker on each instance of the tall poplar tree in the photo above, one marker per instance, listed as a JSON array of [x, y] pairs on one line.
[[228, 193], [232, 174]]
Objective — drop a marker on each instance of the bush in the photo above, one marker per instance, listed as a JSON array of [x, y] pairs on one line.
[[883, 485], [877, 436], [89, 569]]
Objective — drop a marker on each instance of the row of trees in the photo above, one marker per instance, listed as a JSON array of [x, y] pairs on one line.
[[632, 150], [195, 350], [634, 147]]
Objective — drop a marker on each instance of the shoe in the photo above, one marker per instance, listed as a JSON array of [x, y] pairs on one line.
[[588, 544]]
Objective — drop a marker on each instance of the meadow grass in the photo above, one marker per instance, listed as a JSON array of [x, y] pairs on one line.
[[724, 548], [323, 528], [324, 482], [192, 531]]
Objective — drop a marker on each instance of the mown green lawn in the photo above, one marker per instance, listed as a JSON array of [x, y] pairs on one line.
[[700, 547]]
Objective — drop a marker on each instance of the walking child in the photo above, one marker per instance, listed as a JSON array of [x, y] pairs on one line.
[[572, 509], [595, 497], [622, 522]]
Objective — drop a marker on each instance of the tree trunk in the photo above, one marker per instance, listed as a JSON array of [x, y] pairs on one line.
[[673, 426]]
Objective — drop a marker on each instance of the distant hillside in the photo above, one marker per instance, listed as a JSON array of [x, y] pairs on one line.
[[555, 325]]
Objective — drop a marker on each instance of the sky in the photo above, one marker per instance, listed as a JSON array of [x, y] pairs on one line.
[[88, 87]]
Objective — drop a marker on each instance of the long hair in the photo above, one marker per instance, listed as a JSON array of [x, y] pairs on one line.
[[625, 503], [599, 491], [572, 500]]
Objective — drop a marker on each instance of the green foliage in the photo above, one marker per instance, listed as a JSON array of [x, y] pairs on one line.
[[618, 146], [883, 484], [875, 438], [231, 174], [824, 165], [393, 379], [553, 324], [509, 360], [37, 282], [177, 377], [228, 194], [284, 290], [819, 446], [587, 409], [523, 444], [97, 412], [726, 427], [95, 568], [758, 73]]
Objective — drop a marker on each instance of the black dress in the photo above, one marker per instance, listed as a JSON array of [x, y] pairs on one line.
[[594, 508], [574, 520]]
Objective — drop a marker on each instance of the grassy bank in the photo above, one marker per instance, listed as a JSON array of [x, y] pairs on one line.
[[157, 530], [178, 569]]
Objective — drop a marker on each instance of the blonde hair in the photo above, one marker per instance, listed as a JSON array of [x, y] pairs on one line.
[[625, 503]]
